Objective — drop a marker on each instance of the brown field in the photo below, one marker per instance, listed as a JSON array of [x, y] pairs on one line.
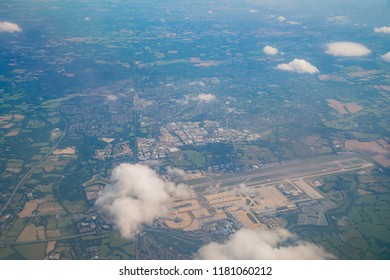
[[66, 151], [5, 118], [337, 106], [18, 117], [353, 107], [9, 125], [32, 233], [28, 209], [96, 179], [50, 208], [51, 246], [309, 190], [13, 133], [107, 140], [94, 188], [382, 159], [344, 108], [92, 195], [55, 133], [371, 147], [49, 167], [363, 192]]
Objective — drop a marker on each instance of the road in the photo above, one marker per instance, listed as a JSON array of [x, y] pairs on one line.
[[11, 243], [28, 174]]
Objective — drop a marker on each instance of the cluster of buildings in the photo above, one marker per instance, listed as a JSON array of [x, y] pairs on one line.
[[114, 151], [176, 134]]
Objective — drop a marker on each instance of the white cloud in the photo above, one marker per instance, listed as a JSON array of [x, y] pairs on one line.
[[202, 98], [270, 50], [87, 18], [281, 18], [111, 97], [348, 49], [293, 22], [386, 57], [263, 244], [299, 66], [253, 11], [384, 29], [339, 19], [176, 172], [137, 196], [6, 26]]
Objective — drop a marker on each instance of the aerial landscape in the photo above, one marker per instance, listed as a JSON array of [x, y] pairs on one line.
[[194, 129]]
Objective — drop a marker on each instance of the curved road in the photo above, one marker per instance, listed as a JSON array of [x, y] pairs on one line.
[[28, 174]]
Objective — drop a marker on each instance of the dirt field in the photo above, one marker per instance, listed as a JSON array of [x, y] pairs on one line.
[[353, 107], [13, 133], [18, 117], [92, 195], [66, 151], [107, 140], [50, 246], [382, 159], [28, 209], [5, 118], [32, 233], [8, 125], [344, 108], [381, 147], [337, 106], [50, 164], [378, 150]]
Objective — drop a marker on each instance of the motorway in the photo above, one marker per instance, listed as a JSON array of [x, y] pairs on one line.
[[28, 174]]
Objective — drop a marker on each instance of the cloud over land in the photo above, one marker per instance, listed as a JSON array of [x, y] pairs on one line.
[[270, 50], [262, 244], [348, 49], [9, 27], [137, 196], [299, 66]]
